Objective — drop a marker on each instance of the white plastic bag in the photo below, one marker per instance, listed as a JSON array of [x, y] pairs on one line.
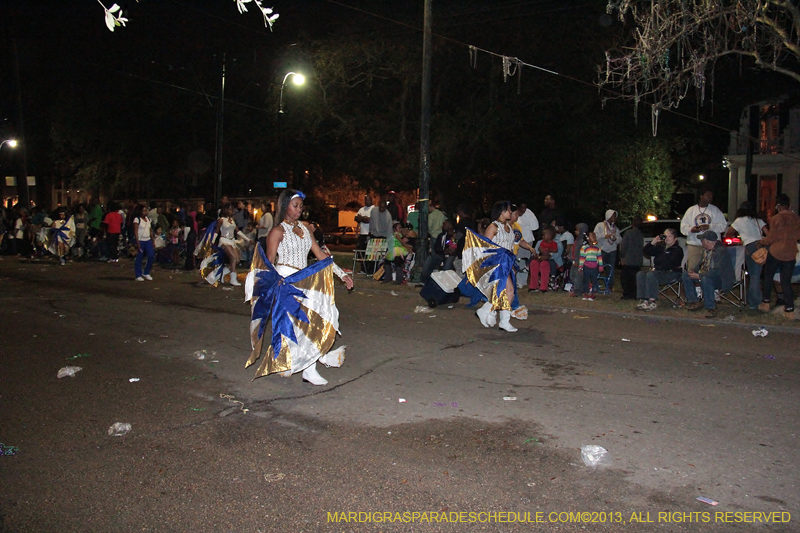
[[68, 371], [594, 455], [119, 429]]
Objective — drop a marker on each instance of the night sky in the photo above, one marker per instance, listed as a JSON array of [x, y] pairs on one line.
[[149, 88]]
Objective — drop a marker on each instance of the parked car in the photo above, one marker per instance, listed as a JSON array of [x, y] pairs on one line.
[[341, 235]]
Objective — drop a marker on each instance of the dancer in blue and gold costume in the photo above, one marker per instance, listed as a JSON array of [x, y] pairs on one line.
[[299, 299], [489, 265]]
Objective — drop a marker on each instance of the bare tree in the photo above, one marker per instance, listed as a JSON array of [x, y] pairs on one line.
[[677, 43]]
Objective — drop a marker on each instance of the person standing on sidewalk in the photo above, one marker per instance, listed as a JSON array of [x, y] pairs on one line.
[[784, 232], [751, 230], [143, 240], [631, 258], [113, 223], [699, 218]]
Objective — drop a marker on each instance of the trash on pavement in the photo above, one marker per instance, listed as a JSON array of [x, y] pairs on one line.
[[509, 398], [133, 380], [760, 332], [8, 450], [79, 356], [422, 309], [202, 355], [579, 316], [594, 455], [709, 501], [626, 340], [274, 477], [69, 371], [520, 313], [395, 293], [118, 429], [769, 357], [227, 288], [401, 400]]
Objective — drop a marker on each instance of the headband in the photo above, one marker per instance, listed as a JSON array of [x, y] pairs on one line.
[[298, 194]]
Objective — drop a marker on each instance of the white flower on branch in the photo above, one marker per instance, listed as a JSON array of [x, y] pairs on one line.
[[114, 16]]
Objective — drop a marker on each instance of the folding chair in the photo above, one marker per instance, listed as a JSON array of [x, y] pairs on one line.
[[672, 292], [372, 256], [737, 296], [603, 281]]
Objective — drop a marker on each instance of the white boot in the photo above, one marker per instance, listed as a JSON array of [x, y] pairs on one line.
[[234, 281], [333, 358], [505, 322], [311, 375], [487, 316]]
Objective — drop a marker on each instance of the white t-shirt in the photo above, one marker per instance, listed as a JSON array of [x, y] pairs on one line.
[[528, 223], [567, 238], [144, 228], [364, 226], [749, 229], [697, 216], [266, 222]]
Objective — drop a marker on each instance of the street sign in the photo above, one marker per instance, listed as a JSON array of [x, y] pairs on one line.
[[279, 184]]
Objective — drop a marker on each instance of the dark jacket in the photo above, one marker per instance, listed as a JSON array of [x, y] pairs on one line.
[[630, 248], [722, 264], [667, 259]]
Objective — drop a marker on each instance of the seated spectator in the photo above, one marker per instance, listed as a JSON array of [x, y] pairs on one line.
[[667, 258], [546, 260], [567, 240], [396, 254], [443, 254], [715, 271]]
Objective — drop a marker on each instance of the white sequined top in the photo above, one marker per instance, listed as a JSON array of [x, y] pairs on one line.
[[293, 249], [502, 237]]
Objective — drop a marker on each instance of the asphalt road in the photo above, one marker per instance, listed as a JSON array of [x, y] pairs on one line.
[[417, 420]]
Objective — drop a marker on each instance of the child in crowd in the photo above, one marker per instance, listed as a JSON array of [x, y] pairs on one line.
[[160, 246], [396, 255], [249, 246], [546, 260], [590, 265], [175, 240]]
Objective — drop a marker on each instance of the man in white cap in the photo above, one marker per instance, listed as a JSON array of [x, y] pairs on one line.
[[714, 272]]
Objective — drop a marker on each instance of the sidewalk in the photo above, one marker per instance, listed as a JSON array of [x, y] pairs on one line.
[[612, 304]]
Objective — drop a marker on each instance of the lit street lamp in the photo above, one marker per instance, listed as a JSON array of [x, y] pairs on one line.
[[11, 142], [298, 79]]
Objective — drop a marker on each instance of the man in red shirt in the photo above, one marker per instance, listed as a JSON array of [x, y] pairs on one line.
[[113, 223]]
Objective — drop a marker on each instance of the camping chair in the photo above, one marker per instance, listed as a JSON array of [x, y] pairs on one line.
[[604, 279], [371, 257], [737, 296], [560, 277], [672, 290]]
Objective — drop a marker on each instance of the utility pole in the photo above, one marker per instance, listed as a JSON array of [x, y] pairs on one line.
[[218, 151], [22, 167], [424, 144]]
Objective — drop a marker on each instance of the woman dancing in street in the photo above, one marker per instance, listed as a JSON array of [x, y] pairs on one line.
[[214, 256], [489, 265], [299, 299]]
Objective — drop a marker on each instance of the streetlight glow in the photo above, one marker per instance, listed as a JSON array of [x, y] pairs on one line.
[[11, 142], [702, 177], [298, 79]]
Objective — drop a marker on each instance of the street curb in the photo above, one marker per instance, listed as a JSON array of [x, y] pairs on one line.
[[558, 309]]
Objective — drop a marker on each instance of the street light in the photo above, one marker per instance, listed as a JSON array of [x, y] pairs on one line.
[[11, 142], [298, 79]]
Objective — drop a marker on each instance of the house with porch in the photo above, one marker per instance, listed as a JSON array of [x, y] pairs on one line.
[[764, 156]]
